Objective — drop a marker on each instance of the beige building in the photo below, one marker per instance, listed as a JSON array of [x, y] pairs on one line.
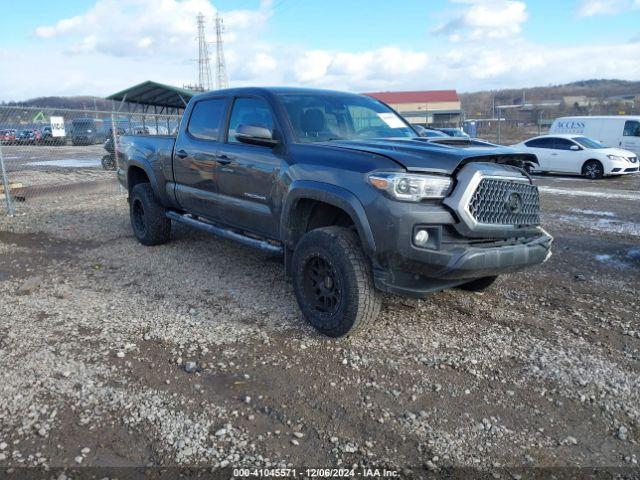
[[429, 107]]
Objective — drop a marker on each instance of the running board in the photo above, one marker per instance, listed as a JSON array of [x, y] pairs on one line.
[[224, 233]]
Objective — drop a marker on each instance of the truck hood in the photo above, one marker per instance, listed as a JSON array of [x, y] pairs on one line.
[[419, 155]]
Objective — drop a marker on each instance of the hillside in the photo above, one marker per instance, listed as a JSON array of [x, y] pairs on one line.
[[473, 103], [76, 103], [481, 102]]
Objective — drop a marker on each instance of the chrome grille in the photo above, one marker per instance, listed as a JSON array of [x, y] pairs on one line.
[[501, 202]]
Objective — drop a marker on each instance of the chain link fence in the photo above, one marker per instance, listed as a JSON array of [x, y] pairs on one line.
[[49, 152]]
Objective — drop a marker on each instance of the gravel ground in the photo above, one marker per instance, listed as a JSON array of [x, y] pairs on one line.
[[195, 353]]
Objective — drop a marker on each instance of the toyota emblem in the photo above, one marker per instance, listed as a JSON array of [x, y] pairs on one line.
[[514, 203]]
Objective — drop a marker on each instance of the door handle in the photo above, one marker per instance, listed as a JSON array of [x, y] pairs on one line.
[[181, 154], [224, 159]]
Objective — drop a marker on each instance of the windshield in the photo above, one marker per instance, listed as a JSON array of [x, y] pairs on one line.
[[588, 142], [325, 117]]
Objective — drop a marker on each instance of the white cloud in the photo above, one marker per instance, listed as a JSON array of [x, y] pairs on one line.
[[112, 52], [589, 8], [486, 19], [130, 28]]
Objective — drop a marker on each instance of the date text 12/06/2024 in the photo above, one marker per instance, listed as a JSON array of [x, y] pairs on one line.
[[314, 473]]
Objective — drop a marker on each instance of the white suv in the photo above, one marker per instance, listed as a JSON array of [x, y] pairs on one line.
[[579, 154]]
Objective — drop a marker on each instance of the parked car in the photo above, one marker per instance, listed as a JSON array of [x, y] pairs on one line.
[[341, 187], [463, 142], [617, 132], [454, 132], [88, 131], [428, 132], [580, 155], [47, 138], [8, 136], [27, 137]]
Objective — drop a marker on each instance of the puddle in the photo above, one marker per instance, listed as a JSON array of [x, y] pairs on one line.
[[68, 163]]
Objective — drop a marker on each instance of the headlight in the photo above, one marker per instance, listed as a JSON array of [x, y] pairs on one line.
[[617, 158], [412, 188]]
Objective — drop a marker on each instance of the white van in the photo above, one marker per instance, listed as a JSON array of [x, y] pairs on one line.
[[619, 132]]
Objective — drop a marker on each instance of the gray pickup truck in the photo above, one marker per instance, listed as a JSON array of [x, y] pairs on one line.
[[345, 190]]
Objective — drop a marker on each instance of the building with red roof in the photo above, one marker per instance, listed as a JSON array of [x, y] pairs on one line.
[[439, 108]]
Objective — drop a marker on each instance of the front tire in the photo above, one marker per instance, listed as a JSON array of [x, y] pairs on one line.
[[148, 220], [593, 169], [333, 282], [479, 284]]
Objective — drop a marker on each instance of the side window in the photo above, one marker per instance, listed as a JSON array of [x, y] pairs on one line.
[[540, 143], [562, 144], [206, 115], [631, 128], [249, 111]]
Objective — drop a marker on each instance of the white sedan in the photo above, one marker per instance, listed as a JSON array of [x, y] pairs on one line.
[[578, 154]]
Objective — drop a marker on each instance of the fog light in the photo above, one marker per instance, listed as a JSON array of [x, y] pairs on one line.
[[421, 238]]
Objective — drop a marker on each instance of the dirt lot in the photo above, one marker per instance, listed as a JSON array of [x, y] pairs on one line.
[[97, 332]]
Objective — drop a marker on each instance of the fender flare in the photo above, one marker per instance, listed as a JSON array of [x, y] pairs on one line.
[[333, 195], [146, 167]]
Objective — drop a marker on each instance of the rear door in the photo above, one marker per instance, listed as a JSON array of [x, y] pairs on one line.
[[194, 158], [248, 173], [631, 136], [542, 149]]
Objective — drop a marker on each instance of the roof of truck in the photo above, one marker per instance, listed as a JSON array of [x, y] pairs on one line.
[[275, 91]]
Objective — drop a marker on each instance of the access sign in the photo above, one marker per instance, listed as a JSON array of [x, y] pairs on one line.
[[57, 127]]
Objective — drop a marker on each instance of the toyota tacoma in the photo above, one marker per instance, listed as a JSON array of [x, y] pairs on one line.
[[345, 190]]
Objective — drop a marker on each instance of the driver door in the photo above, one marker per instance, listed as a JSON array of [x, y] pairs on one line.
[[568, 161]]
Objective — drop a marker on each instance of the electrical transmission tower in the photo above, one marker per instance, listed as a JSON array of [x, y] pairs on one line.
[[222, 81], [204, 68]]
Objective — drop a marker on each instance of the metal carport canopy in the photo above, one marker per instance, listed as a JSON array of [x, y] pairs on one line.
[[155, 94]]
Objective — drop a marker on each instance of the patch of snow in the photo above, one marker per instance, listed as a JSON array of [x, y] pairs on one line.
[[603, 224], [612, 261], [593, 212], [618, 194], [634, 253]]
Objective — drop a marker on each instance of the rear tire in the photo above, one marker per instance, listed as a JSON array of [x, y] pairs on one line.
[[479, 284], [333, 282], [148, 220], [593, 169]]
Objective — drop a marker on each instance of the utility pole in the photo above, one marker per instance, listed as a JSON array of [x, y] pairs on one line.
[[204, 68], [222, 81]]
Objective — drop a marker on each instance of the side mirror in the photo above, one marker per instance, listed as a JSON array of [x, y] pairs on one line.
[[574, 147], [255, 135]]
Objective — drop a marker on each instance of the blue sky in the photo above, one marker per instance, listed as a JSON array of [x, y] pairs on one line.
[[101, 46]]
